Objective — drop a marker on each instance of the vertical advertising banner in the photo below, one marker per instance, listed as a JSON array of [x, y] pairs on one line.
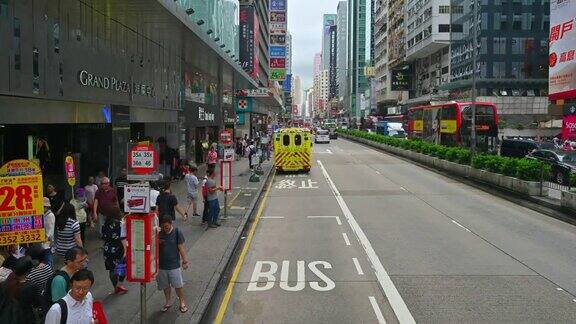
[[561, 60], [569, 123], [277, 40], [249, 40]]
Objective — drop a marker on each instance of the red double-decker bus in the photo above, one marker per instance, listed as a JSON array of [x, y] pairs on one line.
[[450, 124]]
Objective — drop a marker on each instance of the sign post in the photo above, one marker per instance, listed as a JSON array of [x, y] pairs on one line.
[[70, 172], [226, 182], [21, 208]]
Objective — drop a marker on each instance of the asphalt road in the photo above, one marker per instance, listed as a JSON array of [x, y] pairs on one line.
[[367, 238]]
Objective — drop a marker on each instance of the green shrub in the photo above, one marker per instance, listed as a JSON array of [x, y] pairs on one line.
[[509, 166], [532, 170], [441, 151], [573, 179], [479, 161], [494, 163]]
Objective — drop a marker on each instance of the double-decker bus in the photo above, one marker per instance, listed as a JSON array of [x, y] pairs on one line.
[[450, 124]]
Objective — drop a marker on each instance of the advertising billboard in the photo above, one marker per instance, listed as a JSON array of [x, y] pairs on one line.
[[277, 5], [562, 63], [277, 28], [400, 80], [277, 63], [278, 51], [249, 39], [278, 16]]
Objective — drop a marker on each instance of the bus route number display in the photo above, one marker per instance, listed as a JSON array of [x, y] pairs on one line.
[[143, 159]]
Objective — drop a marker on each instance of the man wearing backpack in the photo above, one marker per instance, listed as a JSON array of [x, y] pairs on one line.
[[75, 306], [58, 286]]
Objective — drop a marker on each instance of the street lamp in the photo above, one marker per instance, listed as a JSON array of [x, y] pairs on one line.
[[474, 47]]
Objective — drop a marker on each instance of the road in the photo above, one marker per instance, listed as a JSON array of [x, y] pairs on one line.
[[370, 238]]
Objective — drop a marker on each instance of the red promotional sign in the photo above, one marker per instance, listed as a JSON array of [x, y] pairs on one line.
[[569, 127], [277, 63], [143, 159], [226, 137]]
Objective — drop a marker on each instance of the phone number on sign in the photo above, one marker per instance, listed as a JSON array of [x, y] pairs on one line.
[[32, 236]]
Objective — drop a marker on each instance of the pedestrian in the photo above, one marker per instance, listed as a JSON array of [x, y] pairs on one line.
[[264, 145], [105, 200], [120, 182], [67, 232], [17, 295], [59, 284], [76, 305], [192, 188], [251, 152], [49, 224], [80, 204], [114, 235], [172, 259], [213, 203], [90, 189], [154, 193], [168, 203], [212, 157], [99, 177], [38, 277], [205, 212], [244, 144], [56, 199], [11, 254], [239, 148]]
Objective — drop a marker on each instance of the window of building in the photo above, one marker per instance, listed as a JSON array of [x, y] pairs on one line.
[[499, 45], [444, 9], [517, 45], [499, 70], [35, 71], [445, 70], [457, 9], [4, 8], [517, 22], [444, 28], [503, 21]]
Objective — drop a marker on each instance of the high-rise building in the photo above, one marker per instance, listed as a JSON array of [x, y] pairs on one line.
[[296, 90], [261, 8], [342, 49], [332, 61], [512, 56], [329, 20], [396, 33], [359, 48], [383, 94], [317, 64]]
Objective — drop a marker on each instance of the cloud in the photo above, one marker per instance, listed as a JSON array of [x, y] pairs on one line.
[[305, 25]]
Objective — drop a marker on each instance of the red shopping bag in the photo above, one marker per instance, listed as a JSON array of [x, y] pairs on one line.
[[98, 312]]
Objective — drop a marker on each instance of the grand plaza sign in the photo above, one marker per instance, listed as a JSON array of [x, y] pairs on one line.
[[88, 79]]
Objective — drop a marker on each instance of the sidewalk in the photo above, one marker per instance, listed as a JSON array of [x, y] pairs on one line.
[[208, 252]]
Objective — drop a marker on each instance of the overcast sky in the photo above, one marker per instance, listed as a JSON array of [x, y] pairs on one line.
[[305, 25]]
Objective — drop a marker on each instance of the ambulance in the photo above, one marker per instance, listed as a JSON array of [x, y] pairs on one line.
[[293, 149]]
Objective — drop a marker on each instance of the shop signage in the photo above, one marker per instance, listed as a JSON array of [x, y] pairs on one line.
[[88, 79], [277, 5], [204, 115], [244, 105], [569, 127], [277, 74], [249, 40], [225, 137], [277, 40], [277, 51], [562, 57], [277, 63], [400, 80], [287, 85], [277, 28], [278, 16], [70, 171], [21, 207], [254, 93]]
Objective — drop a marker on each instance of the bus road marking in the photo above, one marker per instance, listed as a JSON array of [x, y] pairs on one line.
[[461, 226], [358, 267], [377, 310], [346, 238]]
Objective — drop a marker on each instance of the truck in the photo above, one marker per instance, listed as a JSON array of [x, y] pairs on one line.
[[330, 125], [387, 128]]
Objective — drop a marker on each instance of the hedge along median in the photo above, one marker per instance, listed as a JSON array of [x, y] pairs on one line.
[[518, 175]]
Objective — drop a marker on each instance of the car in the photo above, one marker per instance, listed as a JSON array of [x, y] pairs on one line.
[[563, 163], [519, 148], [322, 136]]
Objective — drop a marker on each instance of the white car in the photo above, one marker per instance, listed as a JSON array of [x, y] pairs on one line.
[[322, 136]]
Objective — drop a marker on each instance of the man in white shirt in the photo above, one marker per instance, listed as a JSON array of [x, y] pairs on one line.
[[76, 306], [49, 221]]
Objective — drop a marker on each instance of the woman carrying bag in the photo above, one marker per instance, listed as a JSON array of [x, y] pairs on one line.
[[114, 235]]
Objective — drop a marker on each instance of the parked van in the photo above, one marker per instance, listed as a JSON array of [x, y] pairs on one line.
[[293, 150]]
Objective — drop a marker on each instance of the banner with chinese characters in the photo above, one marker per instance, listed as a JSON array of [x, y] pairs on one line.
[[562, 63], [277, 39], [21, 206], [249, 40]]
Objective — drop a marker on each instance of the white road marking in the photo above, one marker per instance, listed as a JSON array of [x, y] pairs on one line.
[[248, 194], [337, 218], [574, 300], [461, 226], [346, 238], [377, 310], [403, 188], [272, 217], [559, 289], [396, 302], [328, 151], [237, 207], [378, 172], [358, 267]]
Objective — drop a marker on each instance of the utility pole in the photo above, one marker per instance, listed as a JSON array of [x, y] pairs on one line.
[[474, 47]]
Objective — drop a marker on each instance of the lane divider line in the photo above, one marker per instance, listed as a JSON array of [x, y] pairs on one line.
[[396, 302], [378, 172], [272, 217], [337, 218], [358, 267], [461, 226], [377, 310], [346, 240], [240, 262]]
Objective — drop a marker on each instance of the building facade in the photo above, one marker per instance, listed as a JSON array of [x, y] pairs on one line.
[[342, 50], [332, 62], [328, 20], [359, 47]]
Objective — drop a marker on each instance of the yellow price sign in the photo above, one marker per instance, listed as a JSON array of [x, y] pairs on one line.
[[30, 236]]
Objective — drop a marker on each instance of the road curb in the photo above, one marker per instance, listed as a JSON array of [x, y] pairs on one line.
[[532, 203], [210, 290]]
